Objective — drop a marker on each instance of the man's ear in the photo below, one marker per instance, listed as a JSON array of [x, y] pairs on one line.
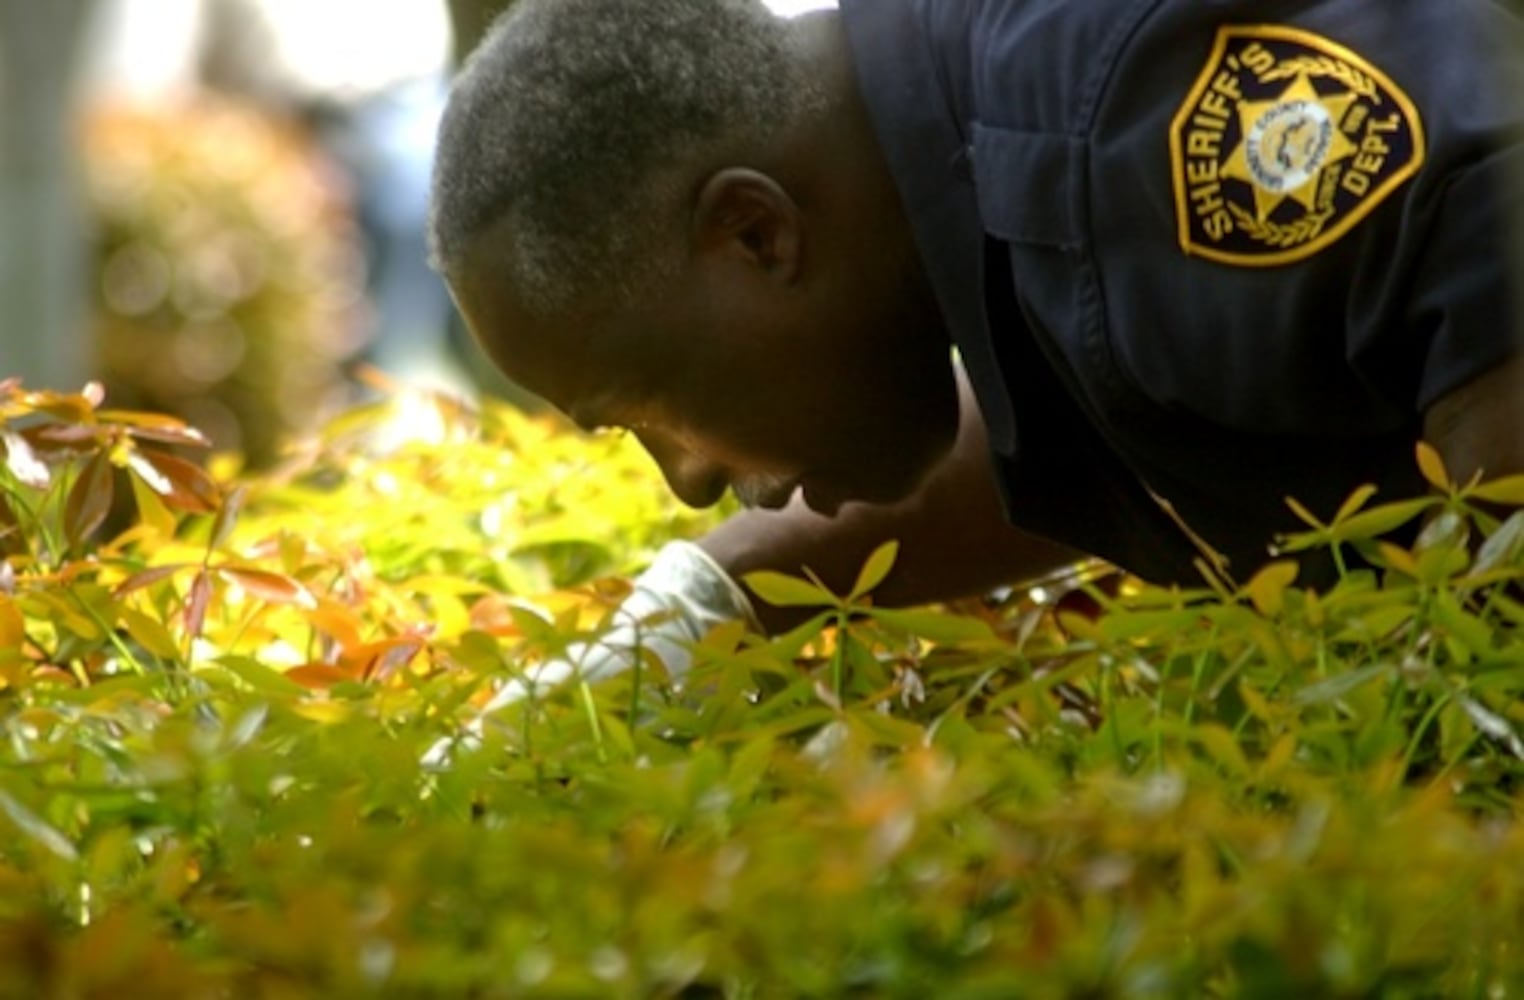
[[746, 216]]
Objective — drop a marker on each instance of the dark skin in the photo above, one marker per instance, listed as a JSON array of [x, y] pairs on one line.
[[798, 358]]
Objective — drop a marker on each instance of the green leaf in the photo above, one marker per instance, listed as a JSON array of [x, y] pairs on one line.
[[935, 626], [1267, 589], [875, 569], [1432, 466], [783, 591], [37, 828], [261, 678], [1339, 685], [1382, 519], [1355, 501], [1508, 490]]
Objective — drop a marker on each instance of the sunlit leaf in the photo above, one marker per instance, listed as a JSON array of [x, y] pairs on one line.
[[12, 625], [1508, 490], [260, 677], [276, 588], [1432, 466], [875, 569], [785, 591], [1383, 519], [182, 485], [150, 633], [319, 676], [1355, 501], [1267, 588], [936, 626]]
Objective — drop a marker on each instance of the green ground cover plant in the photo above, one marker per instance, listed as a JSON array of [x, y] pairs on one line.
[[219, 689]]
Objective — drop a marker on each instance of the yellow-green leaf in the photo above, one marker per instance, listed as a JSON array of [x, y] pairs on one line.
[[783, 591], [875, 569], [1432, 466], [1268, 587]]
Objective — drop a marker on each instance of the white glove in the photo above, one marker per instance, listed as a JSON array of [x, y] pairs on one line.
[[674, 604]]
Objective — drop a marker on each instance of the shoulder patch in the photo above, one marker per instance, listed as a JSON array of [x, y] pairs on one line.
[[1286, 141]]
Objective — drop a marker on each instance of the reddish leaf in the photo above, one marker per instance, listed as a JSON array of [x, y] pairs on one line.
[[89, 500], [196, 603], [149, 576], [75, 437], [273, 587], [183, 485]]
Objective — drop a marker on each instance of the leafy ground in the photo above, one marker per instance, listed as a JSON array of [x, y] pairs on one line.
[[218, 689]]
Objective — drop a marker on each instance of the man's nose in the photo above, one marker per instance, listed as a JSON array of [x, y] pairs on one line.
[[697, 481]]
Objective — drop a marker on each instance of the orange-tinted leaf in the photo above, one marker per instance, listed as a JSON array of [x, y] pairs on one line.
[[89, 500], [319, 676], [12, 625], [335, 620], [275, 588], [379, 660], [73, 407]]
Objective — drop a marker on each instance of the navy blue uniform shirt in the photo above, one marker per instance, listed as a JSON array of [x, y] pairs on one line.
[[1203, 254]]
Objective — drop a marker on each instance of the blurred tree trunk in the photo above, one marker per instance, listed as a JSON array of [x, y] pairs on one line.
[[469, 20], [44, 300]]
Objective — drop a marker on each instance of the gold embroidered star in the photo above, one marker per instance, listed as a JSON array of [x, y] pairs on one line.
[[1286, 144]]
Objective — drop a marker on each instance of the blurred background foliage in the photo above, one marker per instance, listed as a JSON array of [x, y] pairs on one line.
[[229, 270]]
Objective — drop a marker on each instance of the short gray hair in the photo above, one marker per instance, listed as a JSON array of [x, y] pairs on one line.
[[572, 125]]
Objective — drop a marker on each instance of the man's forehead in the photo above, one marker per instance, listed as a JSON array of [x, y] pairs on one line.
[[587, 364]]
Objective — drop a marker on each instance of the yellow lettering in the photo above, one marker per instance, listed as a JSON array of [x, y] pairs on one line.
[[1226, 83], [1257, 58], [1354, 118], [1214, 104], [1201, 171], [1206, 198], [1356, 183], [1201, 143], [1218, 224], [1390, 123]]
